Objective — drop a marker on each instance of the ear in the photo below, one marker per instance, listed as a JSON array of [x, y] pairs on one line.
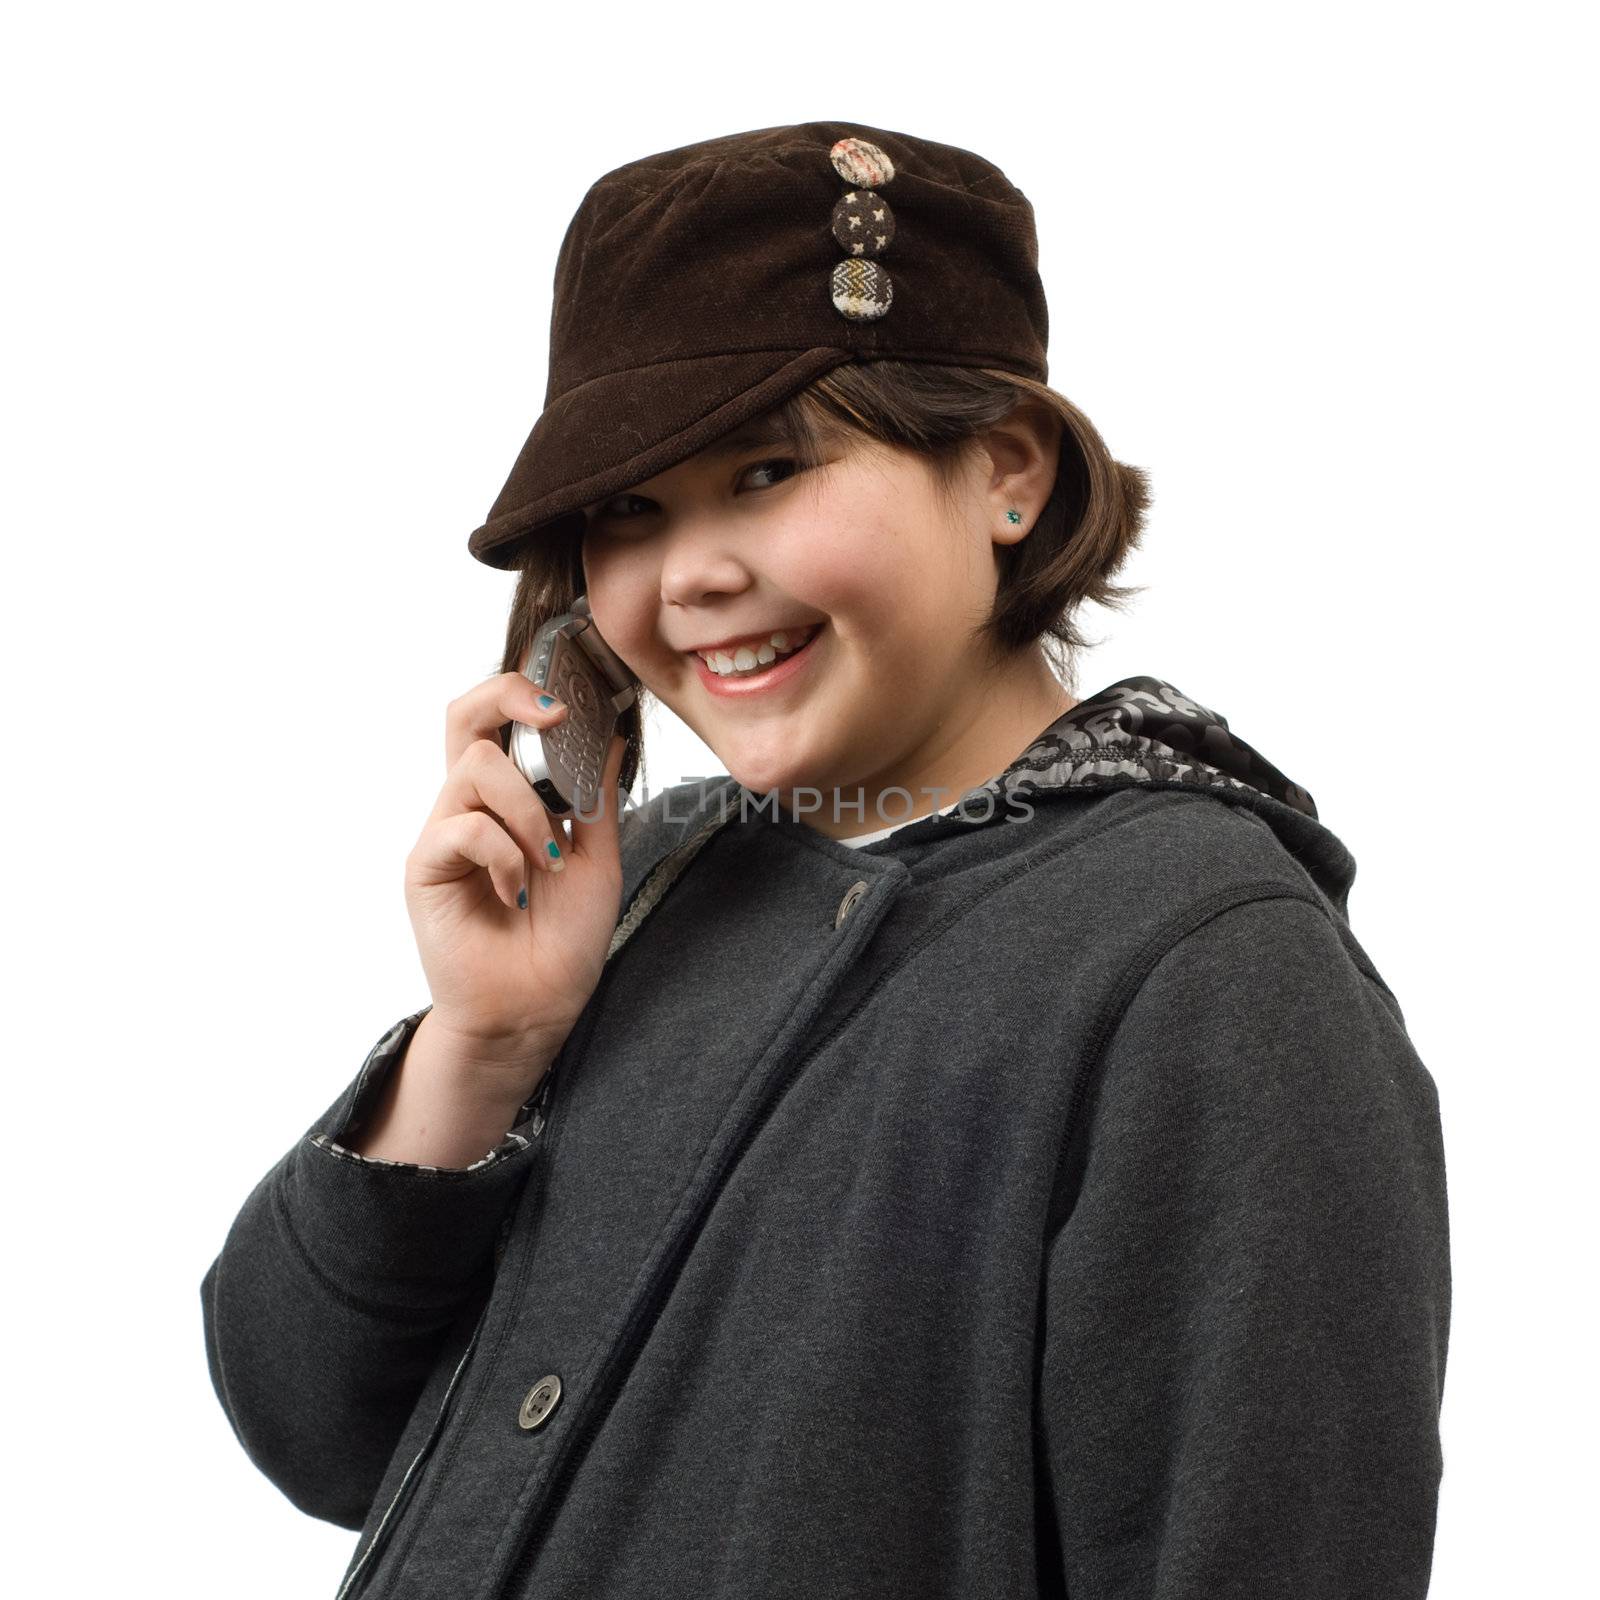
[[1024, 451]]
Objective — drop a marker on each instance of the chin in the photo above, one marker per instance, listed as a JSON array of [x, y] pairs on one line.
[[763, 778], [778, 756], [762, 771]]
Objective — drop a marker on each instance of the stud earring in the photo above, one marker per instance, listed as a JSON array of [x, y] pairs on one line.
[[1013, 515]]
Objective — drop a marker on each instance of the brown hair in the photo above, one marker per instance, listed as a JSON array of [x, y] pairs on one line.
[[1092, 520]]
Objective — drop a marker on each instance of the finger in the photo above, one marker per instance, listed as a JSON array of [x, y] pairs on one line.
[[449, 848], [488, 706], [486, 779]]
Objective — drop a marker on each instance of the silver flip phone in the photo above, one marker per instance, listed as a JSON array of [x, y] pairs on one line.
[[566, 763]]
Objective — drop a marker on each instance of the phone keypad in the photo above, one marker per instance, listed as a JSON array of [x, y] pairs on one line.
[[579, 739]]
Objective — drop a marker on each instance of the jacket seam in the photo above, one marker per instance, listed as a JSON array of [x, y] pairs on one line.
[[649, 1290], [515, 1265], [377, 1543], [1027, 864], [213, 1341], [1160, 944], [1363, 961], [410, 1316]]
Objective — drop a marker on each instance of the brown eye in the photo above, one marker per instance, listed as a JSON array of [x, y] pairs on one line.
[[619, 508], [777, 461], [630, 500]]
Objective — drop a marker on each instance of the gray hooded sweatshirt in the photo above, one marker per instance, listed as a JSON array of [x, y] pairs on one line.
[[1044, 1199]]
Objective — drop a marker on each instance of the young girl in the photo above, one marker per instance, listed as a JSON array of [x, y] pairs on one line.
[[963, 1150]]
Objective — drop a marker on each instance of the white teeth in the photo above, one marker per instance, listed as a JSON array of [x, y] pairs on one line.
[[746, 659]]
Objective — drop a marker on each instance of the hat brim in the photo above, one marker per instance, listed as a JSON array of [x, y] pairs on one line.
[[624, 427]]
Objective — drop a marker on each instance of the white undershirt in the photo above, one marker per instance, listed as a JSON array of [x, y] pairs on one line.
[[855, 841]]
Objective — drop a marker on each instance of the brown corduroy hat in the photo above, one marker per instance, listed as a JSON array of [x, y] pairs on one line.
[[698, 288]]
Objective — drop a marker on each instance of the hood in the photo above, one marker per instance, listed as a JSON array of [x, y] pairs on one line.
[[1147, 731]]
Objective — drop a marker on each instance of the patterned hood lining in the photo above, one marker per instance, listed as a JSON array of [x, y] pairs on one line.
[[1140, 728]]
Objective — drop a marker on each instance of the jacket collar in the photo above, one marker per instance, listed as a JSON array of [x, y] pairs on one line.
[[1140, 728], [1145, 732], [1139, 731]]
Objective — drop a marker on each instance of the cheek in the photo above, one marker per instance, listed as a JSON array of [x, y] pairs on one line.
[[622, 597], [877, 585], [849, 566]]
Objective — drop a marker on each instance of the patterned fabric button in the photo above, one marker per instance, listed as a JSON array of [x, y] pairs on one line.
[[858, 162], [861, 289], [863, 223]]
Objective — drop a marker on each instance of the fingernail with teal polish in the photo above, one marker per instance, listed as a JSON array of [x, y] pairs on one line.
[[553, 850], [547, 700], [522, 898]]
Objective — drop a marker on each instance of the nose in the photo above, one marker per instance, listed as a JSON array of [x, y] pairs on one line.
[[699, 562]]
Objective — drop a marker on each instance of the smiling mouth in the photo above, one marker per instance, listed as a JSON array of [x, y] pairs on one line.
[[763, 675], [751, 661]]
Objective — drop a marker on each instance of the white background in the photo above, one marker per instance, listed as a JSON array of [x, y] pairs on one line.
[[277, 298]]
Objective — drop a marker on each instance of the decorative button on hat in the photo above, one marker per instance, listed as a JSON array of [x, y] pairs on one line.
[[699, 287], [858, 161], [861, 289], [863, 223]]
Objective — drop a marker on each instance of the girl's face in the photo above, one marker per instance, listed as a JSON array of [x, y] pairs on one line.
[[858, 556]]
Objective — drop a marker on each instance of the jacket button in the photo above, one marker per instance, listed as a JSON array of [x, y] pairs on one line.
[[540, 1402], [847, 905]]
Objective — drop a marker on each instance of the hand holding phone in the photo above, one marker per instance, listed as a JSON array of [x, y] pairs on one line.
[[512, 948], [565, 763]]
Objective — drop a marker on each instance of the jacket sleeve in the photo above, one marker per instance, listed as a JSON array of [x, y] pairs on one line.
[[335, 1288], [1245, 1311]]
